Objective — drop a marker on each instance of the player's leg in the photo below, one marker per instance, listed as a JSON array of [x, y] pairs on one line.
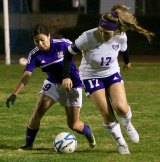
[[75, 124], [110, 123], [74, 104], [43, 104], [119, 103], [47, 97]]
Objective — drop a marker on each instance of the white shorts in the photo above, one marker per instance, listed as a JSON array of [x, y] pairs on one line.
[[54, 91]]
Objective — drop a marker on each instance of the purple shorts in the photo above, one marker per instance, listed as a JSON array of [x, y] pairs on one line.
[[94, 84]]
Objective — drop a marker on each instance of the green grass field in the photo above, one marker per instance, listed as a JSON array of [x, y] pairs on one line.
[[143, 91]]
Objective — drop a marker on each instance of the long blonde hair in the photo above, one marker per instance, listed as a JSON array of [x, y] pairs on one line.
[[127, 21]]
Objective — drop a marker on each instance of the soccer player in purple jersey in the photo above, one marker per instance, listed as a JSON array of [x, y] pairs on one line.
[[100, 71], [48, 55]]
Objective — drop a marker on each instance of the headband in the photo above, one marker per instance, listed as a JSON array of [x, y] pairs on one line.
[[114, 14], [108, 25]]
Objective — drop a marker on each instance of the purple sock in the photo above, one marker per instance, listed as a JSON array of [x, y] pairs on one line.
[[30, 135], [86, 129]]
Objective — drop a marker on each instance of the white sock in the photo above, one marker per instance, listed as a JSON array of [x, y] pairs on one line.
[[127, 118], [115, 130]]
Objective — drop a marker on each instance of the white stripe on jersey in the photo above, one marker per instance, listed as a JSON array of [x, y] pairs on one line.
[[32, 53], [54, 62], [61, 40]]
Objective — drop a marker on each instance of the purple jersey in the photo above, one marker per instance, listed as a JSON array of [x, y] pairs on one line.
[[51, 62]]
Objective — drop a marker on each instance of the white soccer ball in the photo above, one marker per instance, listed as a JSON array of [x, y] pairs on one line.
[[65, 142], [23, 61]]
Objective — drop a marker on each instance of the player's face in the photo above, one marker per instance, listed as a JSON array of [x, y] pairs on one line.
[[42, 41], [105, 34]]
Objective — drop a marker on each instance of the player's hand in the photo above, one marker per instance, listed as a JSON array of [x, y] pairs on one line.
[[11, 100], [67, 84], [126, 66]]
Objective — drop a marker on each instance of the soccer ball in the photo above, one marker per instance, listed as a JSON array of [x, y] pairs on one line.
[[23, 61], [65, 142]]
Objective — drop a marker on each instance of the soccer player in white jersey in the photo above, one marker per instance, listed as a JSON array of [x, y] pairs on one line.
[[48, 55], [100, 71]]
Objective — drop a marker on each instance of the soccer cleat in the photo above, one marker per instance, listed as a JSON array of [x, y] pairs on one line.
[[123, 149], [132, 133], [90, 138], [26, 147]]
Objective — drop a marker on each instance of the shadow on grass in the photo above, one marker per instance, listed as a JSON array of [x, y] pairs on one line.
[[90, 151], [7, 147]]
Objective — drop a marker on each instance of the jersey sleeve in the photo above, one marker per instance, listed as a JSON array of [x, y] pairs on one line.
[[123, 42], [79, 45], [31, 65], [81, 42], [125, 56]]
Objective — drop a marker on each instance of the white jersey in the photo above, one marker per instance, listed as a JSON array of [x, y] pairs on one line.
[[99, 59]]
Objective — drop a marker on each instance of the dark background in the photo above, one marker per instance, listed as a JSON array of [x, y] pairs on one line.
[[21, 39]]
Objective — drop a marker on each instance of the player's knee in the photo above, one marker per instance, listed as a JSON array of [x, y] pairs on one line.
[[121, 108]]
